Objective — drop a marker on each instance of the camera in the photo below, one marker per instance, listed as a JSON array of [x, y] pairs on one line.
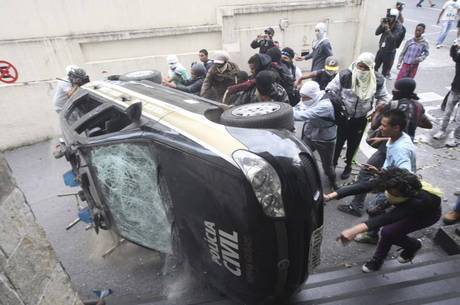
[[400, 5]]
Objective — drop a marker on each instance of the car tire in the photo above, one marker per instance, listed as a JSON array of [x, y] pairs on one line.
[[271, 115], [150, 75]]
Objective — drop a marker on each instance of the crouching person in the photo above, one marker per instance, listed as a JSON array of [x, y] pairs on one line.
[[319, 131], [416, 205]]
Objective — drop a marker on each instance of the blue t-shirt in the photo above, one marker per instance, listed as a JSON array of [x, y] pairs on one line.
[[401, 153]]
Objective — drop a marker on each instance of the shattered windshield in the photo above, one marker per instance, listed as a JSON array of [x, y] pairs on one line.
[[128, 178]]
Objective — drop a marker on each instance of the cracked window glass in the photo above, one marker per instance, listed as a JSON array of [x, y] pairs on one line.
[[138, 200]]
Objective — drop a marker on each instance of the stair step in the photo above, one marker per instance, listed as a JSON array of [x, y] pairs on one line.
[[418, 281], [322, 277], [430, 280]]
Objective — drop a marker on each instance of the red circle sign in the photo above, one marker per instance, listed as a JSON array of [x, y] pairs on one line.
[[8, 73]]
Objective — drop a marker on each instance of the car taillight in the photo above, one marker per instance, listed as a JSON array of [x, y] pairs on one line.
[[264, 181]]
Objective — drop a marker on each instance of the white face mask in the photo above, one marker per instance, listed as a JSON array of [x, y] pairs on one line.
[[172, 66], [363, 76]]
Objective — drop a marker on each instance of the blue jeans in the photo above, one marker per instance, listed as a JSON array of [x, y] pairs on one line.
[[446, 26]]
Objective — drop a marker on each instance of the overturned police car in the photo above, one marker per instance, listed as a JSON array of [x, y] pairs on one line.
[[232, 190]]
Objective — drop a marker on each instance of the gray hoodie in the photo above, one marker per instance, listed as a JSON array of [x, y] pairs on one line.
[[357, 108], [319, 119]]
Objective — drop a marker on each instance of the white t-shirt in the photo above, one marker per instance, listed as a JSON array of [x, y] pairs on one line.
[[450, 10], [60, 95]]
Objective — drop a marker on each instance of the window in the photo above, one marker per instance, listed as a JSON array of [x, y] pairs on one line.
[[81, 107], [139, 201]]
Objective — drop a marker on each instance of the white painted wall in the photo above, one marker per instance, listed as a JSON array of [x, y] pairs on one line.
[[115, 36]]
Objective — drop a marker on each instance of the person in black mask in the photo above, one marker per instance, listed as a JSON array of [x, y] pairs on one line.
[[324, 76], [287, 58], [285, 78], [406, 100]]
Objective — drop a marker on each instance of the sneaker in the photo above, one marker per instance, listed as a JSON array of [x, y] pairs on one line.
[[433, 5], [389, 77], [365, 238], [419, 5], [438, 46], [439, 135], [451, 142], [373, 265], [346, 172], [349, 209], [451, 217], [408, 255]]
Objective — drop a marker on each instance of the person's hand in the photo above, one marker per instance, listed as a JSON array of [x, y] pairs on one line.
[[349, 234], [377, 140], [330, 196], [298, 83], [299, 58], [371, 168], [380, 107], [399, 66]]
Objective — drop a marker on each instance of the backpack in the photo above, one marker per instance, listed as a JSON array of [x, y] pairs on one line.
[[340, 111]]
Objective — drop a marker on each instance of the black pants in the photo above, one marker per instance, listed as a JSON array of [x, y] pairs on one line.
[[386, 58], [351, 132]]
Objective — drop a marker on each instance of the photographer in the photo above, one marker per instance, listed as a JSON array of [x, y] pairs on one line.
[[265, 41], [76, 77], [392, 34]]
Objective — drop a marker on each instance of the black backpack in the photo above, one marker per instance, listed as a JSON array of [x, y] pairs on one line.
[[340, 111]]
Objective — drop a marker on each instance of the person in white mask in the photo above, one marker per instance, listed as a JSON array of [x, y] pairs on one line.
[[176, 72], [321, 48], [357, 86], [320, 130]]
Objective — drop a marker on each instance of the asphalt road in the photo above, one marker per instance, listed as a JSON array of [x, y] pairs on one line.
[[135, 274]]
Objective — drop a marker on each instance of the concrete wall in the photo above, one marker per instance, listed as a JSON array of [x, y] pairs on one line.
[[30, 273], [115, 36]]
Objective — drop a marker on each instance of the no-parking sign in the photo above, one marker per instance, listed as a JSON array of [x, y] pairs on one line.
[[8, 73]]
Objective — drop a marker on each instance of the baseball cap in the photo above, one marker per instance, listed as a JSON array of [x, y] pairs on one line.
[[221, 57], [331, 64]]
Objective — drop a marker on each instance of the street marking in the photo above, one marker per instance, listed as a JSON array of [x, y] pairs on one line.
[[429, 97]]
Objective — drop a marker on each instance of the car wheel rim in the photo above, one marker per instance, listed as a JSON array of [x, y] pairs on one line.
[[256, 109]]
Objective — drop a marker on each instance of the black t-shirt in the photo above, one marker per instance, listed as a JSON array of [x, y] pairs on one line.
[[323, 78]]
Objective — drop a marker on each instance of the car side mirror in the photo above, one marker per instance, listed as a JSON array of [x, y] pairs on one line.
[[134, 112]]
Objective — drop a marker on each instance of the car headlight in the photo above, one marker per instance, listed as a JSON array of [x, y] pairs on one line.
[[264, 181]]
